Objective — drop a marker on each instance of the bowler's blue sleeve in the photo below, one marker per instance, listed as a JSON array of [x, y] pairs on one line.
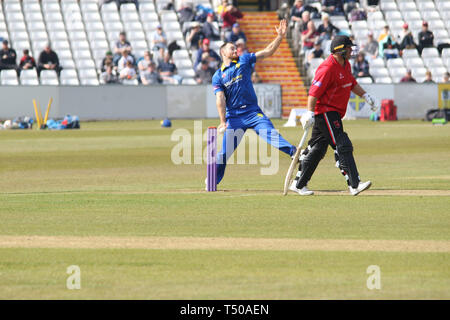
[[216, 83], [248, 58]]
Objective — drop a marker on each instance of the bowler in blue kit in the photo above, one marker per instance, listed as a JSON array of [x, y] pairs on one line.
[[237, 103]]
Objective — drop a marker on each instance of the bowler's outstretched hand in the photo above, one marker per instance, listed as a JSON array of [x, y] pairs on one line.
[[282, 28]]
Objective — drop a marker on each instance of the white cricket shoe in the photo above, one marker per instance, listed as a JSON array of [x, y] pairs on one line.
[[361, 187], [303, 191]]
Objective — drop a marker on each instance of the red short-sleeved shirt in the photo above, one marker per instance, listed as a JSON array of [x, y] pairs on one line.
[[332, 86]]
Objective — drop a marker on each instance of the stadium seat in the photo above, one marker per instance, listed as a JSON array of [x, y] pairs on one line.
[[189, 81], [430, 52], [89, 82], [49, 77], [384, 80], [379, 72], [29, 77], [365, 80]]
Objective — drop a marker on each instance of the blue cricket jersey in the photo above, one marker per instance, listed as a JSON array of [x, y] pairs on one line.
[[236, 81]]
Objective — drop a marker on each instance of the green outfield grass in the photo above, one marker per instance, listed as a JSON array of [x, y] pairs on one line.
[[117, 179]]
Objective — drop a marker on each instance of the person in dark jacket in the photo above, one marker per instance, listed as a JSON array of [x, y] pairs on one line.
[[8, 58], [426, 38], [48, 60]]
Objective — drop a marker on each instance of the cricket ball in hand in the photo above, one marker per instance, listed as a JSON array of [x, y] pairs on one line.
[[221, 129]]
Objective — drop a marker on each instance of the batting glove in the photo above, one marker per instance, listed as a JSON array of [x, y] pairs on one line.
[[307, 120], [371, 102]]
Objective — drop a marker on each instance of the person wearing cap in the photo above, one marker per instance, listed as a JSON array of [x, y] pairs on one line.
[[108, 58], [196, 36], [236, 34], [8, 58], [426, 38], [327, 104], [209, 29], [159, 41], [213, 57], [237, 103], [406, 39], [370, 47]]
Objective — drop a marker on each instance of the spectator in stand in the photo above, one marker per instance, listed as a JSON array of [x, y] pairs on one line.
[[446, 78], [357, 14], [297, 10], [121, 45], [390, 50], [326, 30], [123, 62], [128, 73], [408, 77], [8, 58], [186, 12], [428, 77], [256, 78], [309, 36], [315, 53], [426, 38], [144, 62], [236, 34], [210, 30], [168, 70], [370, 47], [303, 24], [48, 60], [195, 36], [159, 41], [229, 17], [349, 5], [212, 58], [406, 39], [384, 34], [108, 58], [27, 62], [241, 47], [333, 7], [221, 8], [361, 66], [205, 73], [151, 75], [109, 76]]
